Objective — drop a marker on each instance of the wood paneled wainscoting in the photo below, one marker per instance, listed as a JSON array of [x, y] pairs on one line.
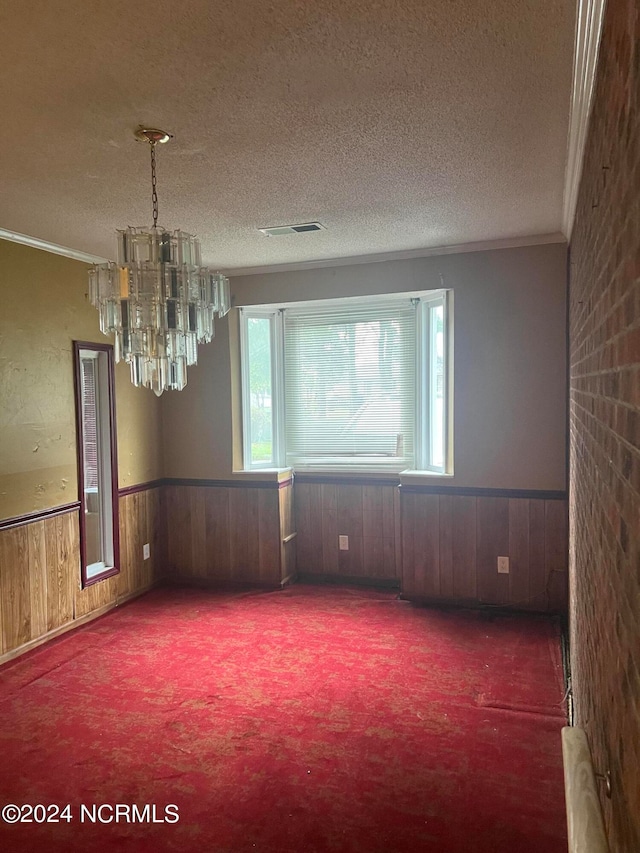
[[40, 583], [366, 511], [452, 538], [230, 532], [438, 544]]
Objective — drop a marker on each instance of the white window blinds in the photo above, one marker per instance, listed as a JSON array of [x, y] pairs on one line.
[[350, 384], [90, 423]]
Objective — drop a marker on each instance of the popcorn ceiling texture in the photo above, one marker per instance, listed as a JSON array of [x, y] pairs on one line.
[[605, 428], [399, 124]]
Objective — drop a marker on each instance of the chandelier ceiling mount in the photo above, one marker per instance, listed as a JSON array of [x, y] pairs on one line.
[[152, 135]]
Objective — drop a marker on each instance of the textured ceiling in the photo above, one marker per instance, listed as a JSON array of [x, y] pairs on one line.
[[397, 125]]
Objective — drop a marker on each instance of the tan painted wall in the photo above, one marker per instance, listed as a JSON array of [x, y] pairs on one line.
[[510, 363], [43, 309], [197, 420]]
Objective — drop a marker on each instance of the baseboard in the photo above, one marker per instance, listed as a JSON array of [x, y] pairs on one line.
[[566, 667], [220, 584], [348, 580], [474, 604], [75, 623]]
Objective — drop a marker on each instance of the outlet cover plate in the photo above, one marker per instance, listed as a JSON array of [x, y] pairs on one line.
[[146, 551], [503, 565], [343, 543]]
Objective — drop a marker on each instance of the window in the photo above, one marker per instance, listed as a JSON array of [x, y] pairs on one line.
[[260, 364], [97, 469], [354, 383]]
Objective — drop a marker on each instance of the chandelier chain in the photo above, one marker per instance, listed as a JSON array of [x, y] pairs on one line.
[[154, 191]]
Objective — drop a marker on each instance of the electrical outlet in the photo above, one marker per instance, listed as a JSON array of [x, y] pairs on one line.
[[343, 543], [503, 565], [146, 551]]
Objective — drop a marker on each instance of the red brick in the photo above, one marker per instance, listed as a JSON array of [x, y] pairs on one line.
[[604, 510]]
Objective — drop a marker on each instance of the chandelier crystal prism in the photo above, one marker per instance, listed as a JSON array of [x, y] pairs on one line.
[[157, 299]]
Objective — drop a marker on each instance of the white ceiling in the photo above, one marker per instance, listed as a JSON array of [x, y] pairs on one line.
[[398, 125]]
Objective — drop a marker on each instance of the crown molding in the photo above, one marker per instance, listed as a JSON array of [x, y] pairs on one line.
[[590, 15], [403, 254], [46, 246]]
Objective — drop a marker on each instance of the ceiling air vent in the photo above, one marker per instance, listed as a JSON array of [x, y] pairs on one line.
[[281, 230]]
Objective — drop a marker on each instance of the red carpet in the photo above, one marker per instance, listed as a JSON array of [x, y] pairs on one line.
[[312, 719]]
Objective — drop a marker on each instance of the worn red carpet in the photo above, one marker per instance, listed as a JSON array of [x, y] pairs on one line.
[[312, 719]]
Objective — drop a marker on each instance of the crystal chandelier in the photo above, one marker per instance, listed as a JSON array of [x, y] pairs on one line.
[[157, 299]]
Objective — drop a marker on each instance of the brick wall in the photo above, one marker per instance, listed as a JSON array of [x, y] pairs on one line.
[[605, 427]]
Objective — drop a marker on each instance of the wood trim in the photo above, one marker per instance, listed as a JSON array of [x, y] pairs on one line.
[[474, 604], [430, 489], [346, 480], [54, 248], [338, 480], [213, 484], [227, 484], [585, 825], [567, 371], [103, 576], [349, 580], [38, 515], [76, 623], [473, 492], [140, 487], [400, 255], [221, 585], [113, 440], [587, 44]]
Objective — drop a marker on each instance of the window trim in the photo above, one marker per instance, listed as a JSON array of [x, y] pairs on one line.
[[277, 411], [426, 300], [109, 571], [424, 391]]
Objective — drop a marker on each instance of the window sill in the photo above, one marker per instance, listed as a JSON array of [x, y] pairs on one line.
[[411, 477], [407, 476], [267, 475]]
